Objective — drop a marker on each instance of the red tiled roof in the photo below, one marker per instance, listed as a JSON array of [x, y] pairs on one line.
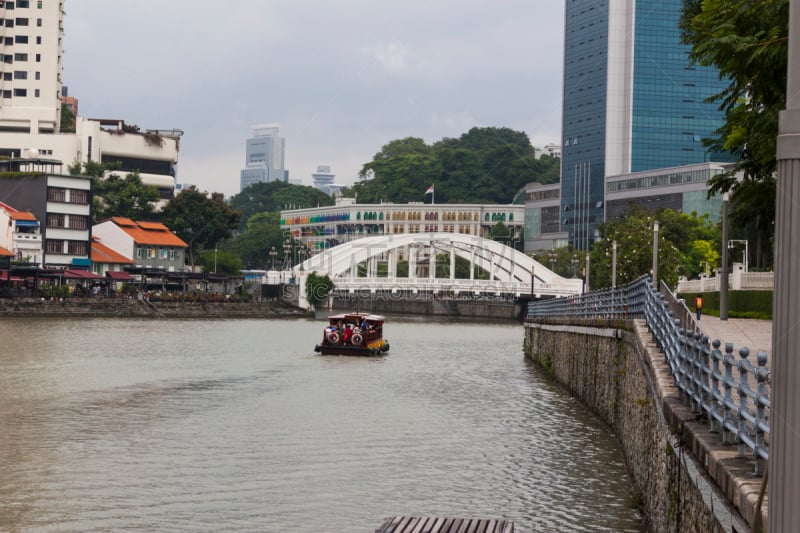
[[6, 253], [22, 215], [16, 214], [103, 254], [153, 233], [119, 276]]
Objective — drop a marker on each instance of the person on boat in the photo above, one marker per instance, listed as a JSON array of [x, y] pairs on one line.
[[348, 331]]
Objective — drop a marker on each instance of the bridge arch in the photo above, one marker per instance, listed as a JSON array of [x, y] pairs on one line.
[[503, 263]]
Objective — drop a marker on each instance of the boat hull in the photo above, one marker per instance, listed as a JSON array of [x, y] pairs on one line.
[[366, 351]]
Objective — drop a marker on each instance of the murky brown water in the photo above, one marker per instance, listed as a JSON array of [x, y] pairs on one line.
[[134, 425]]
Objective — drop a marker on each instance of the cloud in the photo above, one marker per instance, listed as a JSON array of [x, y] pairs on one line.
[[391, 56]]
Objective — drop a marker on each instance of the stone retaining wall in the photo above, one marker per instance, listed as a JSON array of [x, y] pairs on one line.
[[101, 307], [615, 369]]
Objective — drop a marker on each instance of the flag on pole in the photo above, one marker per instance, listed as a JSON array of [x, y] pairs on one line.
[[433, 196], [430, 190]]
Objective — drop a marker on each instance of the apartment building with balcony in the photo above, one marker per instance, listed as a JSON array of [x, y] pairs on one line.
[[31, 64], [21, 234], [62, 203]]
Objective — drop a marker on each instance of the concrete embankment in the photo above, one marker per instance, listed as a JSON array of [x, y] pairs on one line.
[[685, 479], [429, 306], [100, 307]]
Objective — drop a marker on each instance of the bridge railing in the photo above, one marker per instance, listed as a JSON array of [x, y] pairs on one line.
[[732, 394]]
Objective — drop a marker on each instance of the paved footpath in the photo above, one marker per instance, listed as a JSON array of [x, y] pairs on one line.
[[750, 332]]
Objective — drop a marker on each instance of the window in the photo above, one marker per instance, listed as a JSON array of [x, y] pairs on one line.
[[38, 39], [6, 94], [9, 23], [21, 22], [76, 247], [20, 75], [21, 39], [141, 253], [163, 253], [78, 197], [9, 41], [8, 58], [55, 246], [23, 3], [39, 4], [39, 22], [78, 222], [56, 194], [36, 93], [38, 58], [20, 57], [37, 75], [20, 92], [55, 220], [7, 76]]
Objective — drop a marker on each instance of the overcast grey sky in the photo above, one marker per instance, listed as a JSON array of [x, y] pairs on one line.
[[342, 78]]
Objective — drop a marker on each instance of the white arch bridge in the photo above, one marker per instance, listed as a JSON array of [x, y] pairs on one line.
[[353, 267]]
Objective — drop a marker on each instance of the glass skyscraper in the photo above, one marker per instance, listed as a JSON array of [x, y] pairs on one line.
[[632, 102]]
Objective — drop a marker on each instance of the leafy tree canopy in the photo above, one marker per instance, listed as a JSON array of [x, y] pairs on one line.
[[274, 196], [747, 41], [484, 165], [318, 287], [255, 243], [200, 220], [221, 262], [117, 196]]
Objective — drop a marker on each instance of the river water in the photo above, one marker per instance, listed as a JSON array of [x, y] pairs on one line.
[[237, 425]]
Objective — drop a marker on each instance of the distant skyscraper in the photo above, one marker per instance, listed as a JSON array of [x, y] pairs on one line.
[[631, 102], [264, 158], [323, 179]]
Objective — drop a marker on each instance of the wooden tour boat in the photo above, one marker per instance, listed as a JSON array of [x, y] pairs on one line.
[[353, 334]]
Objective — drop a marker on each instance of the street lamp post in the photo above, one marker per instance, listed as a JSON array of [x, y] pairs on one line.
[[613, 275], [745, 254], [587, 271], [723, 271], [272, 253], [552, 256], [574, 262], [655, 254], [215, 260]]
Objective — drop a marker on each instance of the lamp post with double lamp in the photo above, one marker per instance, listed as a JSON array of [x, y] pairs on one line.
[[272, 253], [552, 256], [745, 254]]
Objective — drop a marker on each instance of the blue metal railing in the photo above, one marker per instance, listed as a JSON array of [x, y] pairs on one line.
[[703, 374]]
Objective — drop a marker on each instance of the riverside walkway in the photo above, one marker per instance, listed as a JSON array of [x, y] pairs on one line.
[[750, 332]]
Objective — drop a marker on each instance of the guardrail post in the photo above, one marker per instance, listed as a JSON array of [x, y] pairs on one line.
[[744, 410], [703, 371], [762, 375], [716, 357], [727, 417]]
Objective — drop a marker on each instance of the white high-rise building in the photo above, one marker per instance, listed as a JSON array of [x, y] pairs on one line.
[[264, 157], [30, 106], [32, 48]]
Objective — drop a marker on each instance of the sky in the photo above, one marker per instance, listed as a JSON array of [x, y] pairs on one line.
[[341, 77]]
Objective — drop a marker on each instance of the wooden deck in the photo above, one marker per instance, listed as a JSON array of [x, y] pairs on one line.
[[432, 524]]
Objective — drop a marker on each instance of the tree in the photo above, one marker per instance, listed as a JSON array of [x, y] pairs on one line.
[[199, 219], [747, 41], [274, 196], [484, 165], [220, 262], [318, 287], [634, 236], [253, 246], [116, 196], [67, 119]]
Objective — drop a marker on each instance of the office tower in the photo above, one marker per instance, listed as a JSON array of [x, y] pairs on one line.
[[264, 157], [32, 48], [632, 102]]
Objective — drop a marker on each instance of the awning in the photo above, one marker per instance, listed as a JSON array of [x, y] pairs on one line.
[[81, 274], [27, 223], [119, 276], [4, 277]]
